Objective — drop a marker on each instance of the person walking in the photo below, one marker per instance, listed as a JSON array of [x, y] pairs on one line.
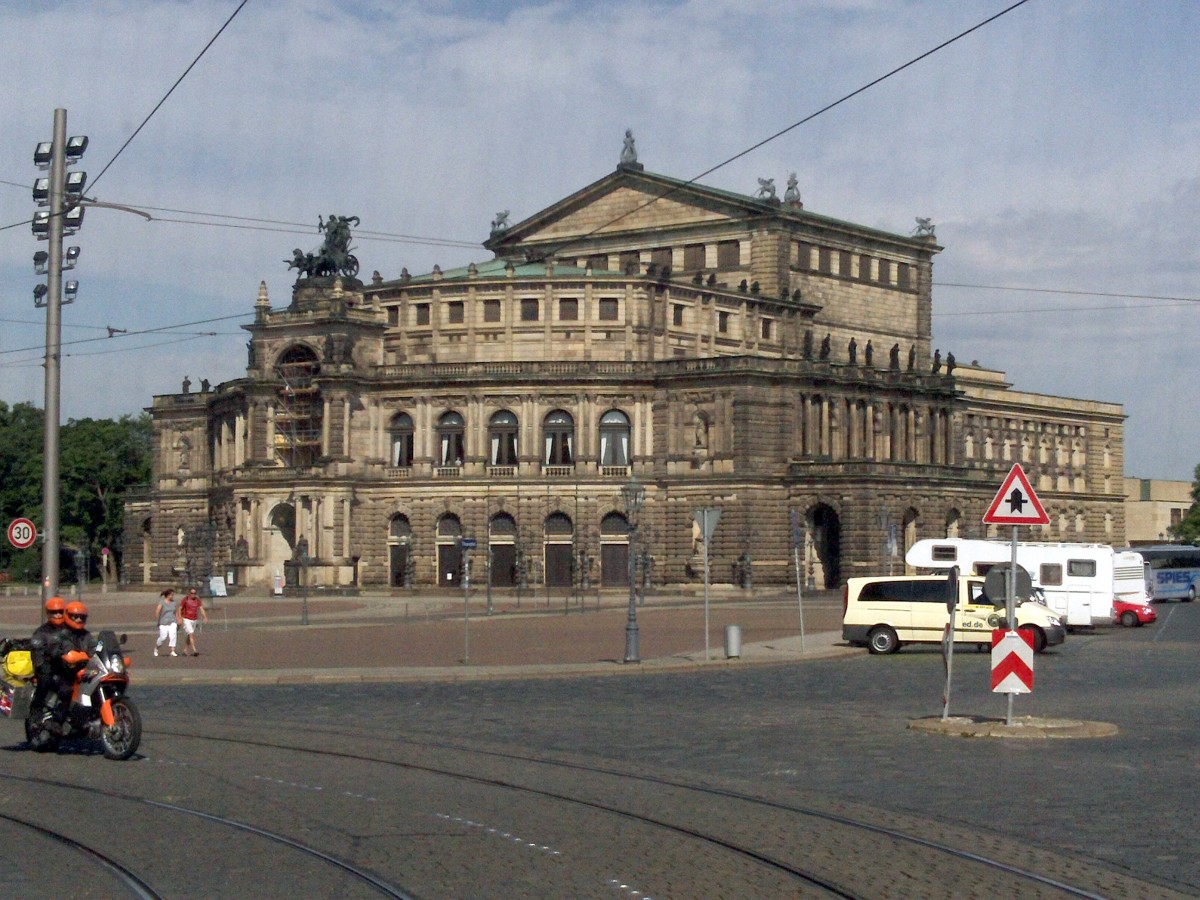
[[167, 616], [190, 610]]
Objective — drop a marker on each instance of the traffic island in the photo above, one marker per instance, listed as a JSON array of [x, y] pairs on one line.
[[1026, 727]]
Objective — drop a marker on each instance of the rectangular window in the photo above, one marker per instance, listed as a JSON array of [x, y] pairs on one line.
[[598, 262], [393, 315], [1081, 568], [864, 268], [729, 255], [660, 258], [723, 322], [422, 312], [825, 261], [944, 553], [568, 309], [491, 310], [677, 314], [885, 271], [904, 276], [631, 262], [803, 256], [529, 310], [693, 257], [454, 312], [844, 263], [766, 329], [609, 308], [1050, 575]]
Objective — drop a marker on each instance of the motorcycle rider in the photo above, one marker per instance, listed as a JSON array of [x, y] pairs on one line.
[[40, 647], [71, 648]]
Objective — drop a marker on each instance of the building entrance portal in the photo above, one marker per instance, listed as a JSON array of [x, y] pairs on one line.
[[826, 530]]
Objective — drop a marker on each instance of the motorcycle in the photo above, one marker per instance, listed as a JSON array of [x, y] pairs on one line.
[[99, 710]]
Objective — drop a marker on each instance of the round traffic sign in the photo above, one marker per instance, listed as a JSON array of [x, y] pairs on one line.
[[22, 533]]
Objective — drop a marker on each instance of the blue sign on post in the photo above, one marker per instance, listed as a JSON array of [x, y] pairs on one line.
[[468, 543]]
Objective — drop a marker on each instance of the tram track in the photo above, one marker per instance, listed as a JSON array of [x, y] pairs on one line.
[[834, 884]]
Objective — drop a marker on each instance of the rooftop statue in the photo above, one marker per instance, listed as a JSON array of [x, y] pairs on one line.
[[500, 223], [628, 151], [766, 188], [334, 257], [924, 228], [792, 194]]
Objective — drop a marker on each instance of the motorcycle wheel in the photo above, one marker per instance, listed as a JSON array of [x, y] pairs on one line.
[[120, 741], [39, 738]]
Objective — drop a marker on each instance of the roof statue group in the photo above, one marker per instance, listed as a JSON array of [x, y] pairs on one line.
[[334, 257], [826, 350]]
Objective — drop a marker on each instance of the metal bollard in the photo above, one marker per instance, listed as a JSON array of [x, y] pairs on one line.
[[733, 641]]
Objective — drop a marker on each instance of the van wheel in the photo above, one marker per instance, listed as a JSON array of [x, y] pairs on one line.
[[883, 640], [1129, 619], [1191, 594], [1039, 638]]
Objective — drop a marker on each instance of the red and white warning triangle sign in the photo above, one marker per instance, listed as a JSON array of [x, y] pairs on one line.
[[1016, 503]]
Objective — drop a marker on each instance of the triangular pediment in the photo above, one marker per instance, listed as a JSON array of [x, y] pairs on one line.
[[628, 202]]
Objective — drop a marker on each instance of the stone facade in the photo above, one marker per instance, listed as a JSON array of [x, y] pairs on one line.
[[726, 351]]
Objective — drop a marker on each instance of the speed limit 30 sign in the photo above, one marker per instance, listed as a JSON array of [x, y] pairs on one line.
[[22, 533]]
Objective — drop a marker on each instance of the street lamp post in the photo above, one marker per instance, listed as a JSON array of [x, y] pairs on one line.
[[634, 495]]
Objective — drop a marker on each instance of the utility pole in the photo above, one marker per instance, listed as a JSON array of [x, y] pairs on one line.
[[51, 226]]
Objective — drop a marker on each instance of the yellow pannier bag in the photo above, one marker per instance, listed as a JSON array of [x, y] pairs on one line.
[[18, 665]]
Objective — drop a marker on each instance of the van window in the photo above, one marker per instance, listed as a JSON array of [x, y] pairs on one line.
[[1050, 575], [905, 591], [944, 553], [1081, 568]]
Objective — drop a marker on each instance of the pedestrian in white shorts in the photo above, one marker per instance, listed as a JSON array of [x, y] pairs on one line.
[[166, 615]]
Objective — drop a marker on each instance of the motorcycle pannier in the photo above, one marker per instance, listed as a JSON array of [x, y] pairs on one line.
[[14, 701], [18, 666]]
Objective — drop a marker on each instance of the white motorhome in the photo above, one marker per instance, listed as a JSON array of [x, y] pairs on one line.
[[1079, 581]]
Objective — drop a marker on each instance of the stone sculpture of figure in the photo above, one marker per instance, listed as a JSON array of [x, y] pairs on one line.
[[950, 363], [204, 385], [852, 350], [250, 353], [628, 150], [241, 550], [869, 353], [766, 188], [701, 432], [187, 385], [792, 194], [826, 345], [185, 452], [912, 357], [500, 223], [924, 228], [808, 344], [937, 361], [894, 358]]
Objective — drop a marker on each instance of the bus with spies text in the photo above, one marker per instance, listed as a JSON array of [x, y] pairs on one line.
[[1172, 571]]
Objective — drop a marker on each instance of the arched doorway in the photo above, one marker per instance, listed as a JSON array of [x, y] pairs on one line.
[[147, 563], [449, 551], [825, 562], [502, 541], [614, 550], [280, 538], [910, 537], [400, 551], [558, 546]]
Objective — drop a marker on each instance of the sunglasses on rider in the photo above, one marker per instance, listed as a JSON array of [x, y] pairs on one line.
[[76, 617]]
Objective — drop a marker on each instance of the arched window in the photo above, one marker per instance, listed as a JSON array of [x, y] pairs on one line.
[[299, 409], [558, 525], [558, 439], [450, 430], [401, 432], [399, 529], [614, 438], [502, 439]]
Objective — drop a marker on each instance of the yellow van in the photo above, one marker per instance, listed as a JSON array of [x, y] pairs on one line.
[[884, 613]]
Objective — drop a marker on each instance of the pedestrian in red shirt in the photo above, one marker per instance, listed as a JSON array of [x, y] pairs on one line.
[[191, 608]]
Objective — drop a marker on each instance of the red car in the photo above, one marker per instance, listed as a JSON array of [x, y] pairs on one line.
[[1132, 615]]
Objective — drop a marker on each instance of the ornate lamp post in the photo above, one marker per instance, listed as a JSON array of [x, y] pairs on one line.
[[634, 495]]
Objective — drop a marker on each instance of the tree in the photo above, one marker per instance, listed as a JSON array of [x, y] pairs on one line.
[[100, 459], [1188, 530]]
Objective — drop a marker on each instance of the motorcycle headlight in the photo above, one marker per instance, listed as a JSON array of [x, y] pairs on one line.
[[116, 665]]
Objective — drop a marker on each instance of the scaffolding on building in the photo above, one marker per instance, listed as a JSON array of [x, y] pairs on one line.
[[300, 410]]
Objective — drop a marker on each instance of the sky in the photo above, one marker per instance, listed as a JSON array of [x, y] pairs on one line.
[[1055, 150]]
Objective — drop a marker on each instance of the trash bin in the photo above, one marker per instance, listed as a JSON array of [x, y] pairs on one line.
[[733, 641]]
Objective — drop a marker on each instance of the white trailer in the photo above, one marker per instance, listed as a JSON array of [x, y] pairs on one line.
[[1079, 581]]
